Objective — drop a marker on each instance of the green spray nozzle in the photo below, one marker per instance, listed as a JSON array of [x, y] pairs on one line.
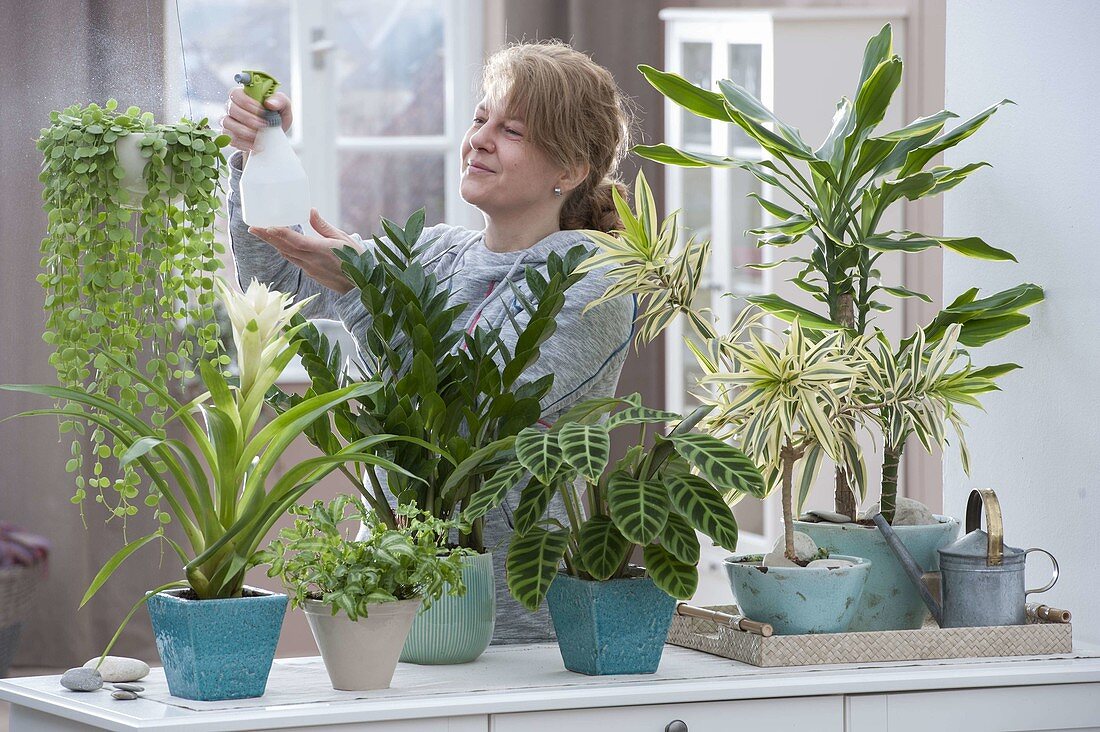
[[257, 84]]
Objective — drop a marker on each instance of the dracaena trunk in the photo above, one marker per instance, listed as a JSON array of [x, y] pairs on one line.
[[890, 461], [843, 499]]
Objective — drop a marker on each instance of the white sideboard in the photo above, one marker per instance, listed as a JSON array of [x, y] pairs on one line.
[[526, 689]]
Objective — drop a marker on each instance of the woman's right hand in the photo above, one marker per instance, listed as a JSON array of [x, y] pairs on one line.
[[244, 117]]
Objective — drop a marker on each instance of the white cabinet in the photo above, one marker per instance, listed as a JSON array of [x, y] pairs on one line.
[[821, 714]]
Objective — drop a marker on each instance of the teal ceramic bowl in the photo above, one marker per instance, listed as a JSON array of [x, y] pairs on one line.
[[456, 629], [798, 600]]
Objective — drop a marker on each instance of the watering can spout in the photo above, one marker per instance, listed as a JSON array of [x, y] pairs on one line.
[[912, 569]]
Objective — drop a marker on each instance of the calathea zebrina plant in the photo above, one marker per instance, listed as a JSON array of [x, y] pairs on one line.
[[655, 499], [127, 275], [447, 393], [835, 196]]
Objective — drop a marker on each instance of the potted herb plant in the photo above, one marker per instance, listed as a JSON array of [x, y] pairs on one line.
[[835, 198], [23, 563], [449, 394], [360, 597], [216, 637], [128, 262], [611, 616]]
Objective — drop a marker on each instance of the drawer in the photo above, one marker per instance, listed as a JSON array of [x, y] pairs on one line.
[[820, 714]]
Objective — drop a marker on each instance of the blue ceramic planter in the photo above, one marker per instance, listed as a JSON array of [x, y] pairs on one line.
[[457, 629], [614, 627], [890, 601], [217, 649], [797, 600]]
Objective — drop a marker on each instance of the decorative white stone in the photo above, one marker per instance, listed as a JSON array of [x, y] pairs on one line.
[[908, 512], [804, 549], [120, 668], [831, 517], [831, 563]]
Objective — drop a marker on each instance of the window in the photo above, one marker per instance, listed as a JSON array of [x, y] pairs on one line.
[[383, 91]]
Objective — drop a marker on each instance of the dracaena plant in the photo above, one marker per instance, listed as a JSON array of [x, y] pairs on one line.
[[446, 392], [652, 499], [316, 559], [835, 196], [219, 488], [127, 277]]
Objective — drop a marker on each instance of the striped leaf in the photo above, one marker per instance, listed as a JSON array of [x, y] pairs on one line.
[[533, 501], [602, 547], [640, 415], [677, 578], [638, 507], [703, 507], [538, 451], [492, 491], [680, 539], [532, 564], [586, 447], [726, 467]]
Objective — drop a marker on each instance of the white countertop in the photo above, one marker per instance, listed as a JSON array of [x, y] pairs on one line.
[[523, 679]]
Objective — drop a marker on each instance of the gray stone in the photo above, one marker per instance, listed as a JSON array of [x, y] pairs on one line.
[[82, 679], [831, 563], [129, 687], [831, 517], [804, 549], [124, 695], [907, 512], [119, 668]]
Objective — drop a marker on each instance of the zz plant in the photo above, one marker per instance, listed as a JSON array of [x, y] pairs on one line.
[[317, 560], [836, 196], [447, 393], [650, 499], [128, 278]]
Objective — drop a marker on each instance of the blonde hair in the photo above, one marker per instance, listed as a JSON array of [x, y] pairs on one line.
[[575, 113]]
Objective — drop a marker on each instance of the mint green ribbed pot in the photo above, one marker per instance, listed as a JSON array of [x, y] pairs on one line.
[[456, 629]]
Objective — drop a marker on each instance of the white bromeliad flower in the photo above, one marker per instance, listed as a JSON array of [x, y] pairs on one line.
[[259, 316]]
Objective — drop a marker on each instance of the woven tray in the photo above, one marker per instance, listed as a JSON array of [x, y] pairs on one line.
[[1034, 639]]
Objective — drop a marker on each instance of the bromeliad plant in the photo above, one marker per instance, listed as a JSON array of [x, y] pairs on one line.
[[128, 277], [836, 197], [218, 490], [447, 393], [316, 560], [653, 499]]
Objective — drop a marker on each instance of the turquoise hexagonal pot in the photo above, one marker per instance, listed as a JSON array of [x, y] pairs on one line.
[[617, 626], [217, 649], [890, 601], [457, 629]]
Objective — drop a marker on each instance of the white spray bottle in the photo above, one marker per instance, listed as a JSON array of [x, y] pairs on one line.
[[274, 186]]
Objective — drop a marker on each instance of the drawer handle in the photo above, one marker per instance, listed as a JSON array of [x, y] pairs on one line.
[[676, 725]]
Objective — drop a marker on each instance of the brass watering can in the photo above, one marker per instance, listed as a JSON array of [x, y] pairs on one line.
[[981, 579]]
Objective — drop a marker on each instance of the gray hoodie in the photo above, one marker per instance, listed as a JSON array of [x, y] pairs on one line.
[[585, 353]]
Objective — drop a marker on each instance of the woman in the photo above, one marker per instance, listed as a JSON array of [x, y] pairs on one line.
[[540, 161]]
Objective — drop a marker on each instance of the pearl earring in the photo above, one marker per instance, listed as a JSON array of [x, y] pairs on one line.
[[557, 191]]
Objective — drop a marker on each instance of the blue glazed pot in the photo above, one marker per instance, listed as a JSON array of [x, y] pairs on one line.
[[890, 601], [798, 600], [617, 626], [457, 629], [217, 649]]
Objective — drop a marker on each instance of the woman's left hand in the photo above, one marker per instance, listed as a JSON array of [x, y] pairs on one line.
[[312, 253]]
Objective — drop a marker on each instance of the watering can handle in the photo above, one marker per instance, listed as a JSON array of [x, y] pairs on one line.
[[987, 499], [1053, 579]]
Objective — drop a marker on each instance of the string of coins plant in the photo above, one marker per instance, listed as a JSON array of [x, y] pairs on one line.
[[127, 273]]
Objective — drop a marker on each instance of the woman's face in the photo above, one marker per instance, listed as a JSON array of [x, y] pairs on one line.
[[502, 171]]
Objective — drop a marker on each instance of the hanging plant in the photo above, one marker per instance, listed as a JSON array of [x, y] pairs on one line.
[[128, 264]]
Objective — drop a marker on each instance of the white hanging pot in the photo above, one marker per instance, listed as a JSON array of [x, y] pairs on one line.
[[128, 151]]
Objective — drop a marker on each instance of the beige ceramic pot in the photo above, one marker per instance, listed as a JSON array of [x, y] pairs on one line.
[[361, 654]]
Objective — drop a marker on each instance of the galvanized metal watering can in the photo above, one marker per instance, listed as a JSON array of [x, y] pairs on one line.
[[981, 579]]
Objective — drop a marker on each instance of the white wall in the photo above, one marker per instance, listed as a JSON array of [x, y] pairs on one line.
[[1038, 445]]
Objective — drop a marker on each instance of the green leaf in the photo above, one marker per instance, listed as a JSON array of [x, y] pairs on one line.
[[493, 491], [788, 311], [907, 241], [532, 564], [638, 507], [640, 415], [680, 539], [667, 155], [538, 451], [727, 468], [585, 447], [697, 501], [533, 501], [749, 109], [602, 547], [112, 564], [905, 292], [702, 102], [674, 577]]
